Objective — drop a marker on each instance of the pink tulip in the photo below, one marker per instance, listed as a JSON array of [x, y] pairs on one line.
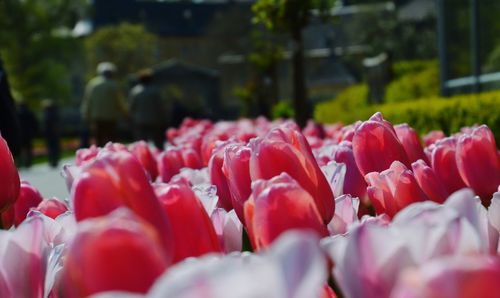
[[285, 149], [236, 169], [411, 142], [453, 277], [29, 197], [9, 178], [429, 182], [218, 178], [193, 234], [170, 163], [478, 161], [433, 136], [444, 163], [278, 205], [376, 146], [117, 179], [393, 189], [52, 207], [145, 156], [85, 154], [354, 183], [115, 252]]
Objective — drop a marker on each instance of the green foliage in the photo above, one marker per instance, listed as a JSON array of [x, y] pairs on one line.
[[416, 80], [36, 47], [347, 107], [282, 110], [447, 114], [130, 47]]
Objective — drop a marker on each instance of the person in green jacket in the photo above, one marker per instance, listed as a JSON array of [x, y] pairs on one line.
[[103, 104]]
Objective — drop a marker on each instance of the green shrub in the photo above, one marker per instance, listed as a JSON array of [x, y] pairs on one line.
[[447, 114], [346, 107], [414, 80], [283, 110]]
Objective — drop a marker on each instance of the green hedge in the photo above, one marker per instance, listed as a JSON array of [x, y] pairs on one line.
[[447, 114]]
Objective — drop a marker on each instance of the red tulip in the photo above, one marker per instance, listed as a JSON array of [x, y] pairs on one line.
[[143, 153], [217, 177], [433, 136], [236, 169], [278, 205], [354, 183], [285, 149], [170, 163], [117, 179], [478, 161], [29, 197], [192, 230], [191, 158], [429, 182], [52, 207], [9, 178], [376, 145], [393, 189], [411, 142], [444, 163], [115, 252], [8, 218]]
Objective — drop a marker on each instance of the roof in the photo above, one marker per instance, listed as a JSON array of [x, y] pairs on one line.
[[163, 18], [174, 68]]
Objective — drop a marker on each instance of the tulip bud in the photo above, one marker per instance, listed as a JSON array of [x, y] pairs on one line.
[[192, 230], [117, 179], [170, 163], [433, 136], [52, 207], [142, 152], [478, 162], [393, 189], [285, 149], [29, 197], [376, 145], [236, 169], [354, 183], [429, 182], [9, 178], [112, 253], [278, 205], [411, 142], [444, 163], [217, 177], [191, 158]]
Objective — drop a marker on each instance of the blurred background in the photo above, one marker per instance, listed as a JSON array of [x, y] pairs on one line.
[[431, 63]]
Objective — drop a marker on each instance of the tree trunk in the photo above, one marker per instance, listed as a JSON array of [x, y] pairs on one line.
[[300, 103]]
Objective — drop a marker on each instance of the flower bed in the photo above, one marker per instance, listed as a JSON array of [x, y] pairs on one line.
[[262, 209]]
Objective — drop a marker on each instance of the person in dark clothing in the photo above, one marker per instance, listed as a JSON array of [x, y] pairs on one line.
[[29, 129], [9, 125], [148, 110], [51, 131]]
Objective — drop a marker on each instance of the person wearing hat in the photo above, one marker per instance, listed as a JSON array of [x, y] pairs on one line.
[[103, 104]]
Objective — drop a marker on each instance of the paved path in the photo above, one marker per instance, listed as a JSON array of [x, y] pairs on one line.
[[48, 180]]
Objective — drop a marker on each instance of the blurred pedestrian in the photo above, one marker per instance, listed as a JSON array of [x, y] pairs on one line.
[[149, 110], [29, 129], [9, 125], [103, 104], [51, 131]]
